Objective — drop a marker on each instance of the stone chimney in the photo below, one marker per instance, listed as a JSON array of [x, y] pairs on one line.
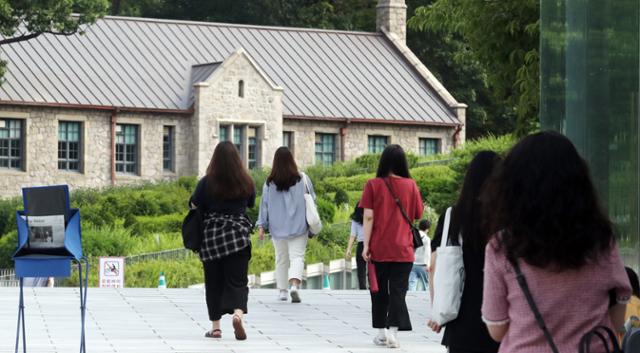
[[392, 17]]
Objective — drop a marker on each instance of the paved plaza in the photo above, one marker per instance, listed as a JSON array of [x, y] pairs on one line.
[[174, 320]]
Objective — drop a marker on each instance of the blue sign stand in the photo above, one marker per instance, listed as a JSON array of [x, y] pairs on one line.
[[35, 262]]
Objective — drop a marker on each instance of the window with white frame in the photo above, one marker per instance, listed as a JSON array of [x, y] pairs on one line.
[[12, 144]]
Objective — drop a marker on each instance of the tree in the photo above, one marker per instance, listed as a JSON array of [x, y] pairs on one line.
[[24, 20], [504, 37]]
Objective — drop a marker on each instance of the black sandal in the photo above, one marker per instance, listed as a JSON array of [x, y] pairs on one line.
[[217, 333]]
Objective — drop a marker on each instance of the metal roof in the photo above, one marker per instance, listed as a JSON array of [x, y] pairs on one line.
[[152, 64]]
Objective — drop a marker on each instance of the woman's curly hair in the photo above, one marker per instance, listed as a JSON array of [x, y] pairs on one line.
[[543, 203]]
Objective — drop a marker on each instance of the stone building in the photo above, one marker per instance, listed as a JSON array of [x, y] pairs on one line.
[[136, 99]]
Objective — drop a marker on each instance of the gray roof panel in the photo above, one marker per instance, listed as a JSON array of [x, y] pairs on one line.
[[146, 63]]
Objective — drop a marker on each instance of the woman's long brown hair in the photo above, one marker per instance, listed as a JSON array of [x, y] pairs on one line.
[[226, 176], [284, 172]]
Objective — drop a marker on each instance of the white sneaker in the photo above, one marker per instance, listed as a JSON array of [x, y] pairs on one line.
[[283, 295], [392, 341], [380, 340], [295, 295]]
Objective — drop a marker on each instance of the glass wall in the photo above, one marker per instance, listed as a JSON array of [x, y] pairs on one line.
[[590, 72]]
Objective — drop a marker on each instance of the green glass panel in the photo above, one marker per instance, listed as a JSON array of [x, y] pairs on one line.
[[590, 74]]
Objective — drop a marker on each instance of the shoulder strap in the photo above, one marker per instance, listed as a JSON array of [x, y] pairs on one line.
[[397, 200], [445, 230], [522, 282], [306, 184]]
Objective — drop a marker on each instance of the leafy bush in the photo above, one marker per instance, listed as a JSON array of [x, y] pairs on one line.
[[170, 223], [107, 241], [97, 216], [8, 210], [178, 273], [350, 183], [259, 177], [438, 185], [335, 234], [188, 183], [253, 213], [341, 198], [8, 245], [327, 210]]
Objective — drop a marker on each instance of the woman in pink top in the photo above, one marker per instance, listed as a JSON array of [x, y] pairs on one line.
[[543, 201]]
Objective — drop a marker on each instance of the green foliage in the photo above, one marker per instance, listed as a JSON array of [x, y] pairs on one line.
[[327, 210], [8, 245], [178, 274], [463, 156], [503, 36], [252, 213], [335, 235], [171, 223], [8, 210], [107, 241], [341, 198], [259, 177], [437, 185], [350, 183]]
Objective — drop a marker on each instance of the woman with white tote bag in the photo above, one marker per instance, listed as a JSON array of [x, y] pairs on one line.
[[457, 265]]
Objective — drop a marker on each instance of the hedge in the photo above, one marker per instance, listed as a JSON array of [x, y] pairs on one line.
[[170, 223]]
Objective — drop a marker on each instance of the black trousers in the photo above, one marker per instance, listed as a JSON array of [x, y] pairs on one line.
[[388, 306], [226, 282], [362, 266]]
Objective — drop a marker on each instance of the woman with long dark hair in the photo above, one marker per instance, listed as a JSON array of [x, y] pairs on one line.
[[550, 225], [223, 195], [388, 241], [357, 235], [283, 213], [467, 333]]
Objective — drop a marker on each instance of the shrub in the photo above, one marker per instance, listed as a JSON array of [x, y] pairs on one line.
[[97, 215], [178, 273], [8, 210], [259, 177], [438, 185], [171, 223], [107, 241], [253, 212], [327, 210], [335, 234], [8, 245], [188, 183], [341, 198], [351, 183]]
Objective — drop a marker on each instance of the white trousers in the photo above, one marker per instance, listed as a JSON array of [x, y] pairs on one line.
[[289, 259]]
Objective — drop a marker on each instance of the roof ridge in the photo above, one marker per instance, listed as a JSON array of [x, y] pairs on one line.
[[209, 63], [236, 25]]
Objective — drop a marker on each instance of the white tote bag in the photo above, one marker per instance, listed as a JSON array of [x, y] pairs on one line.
[[448, 279], [313, 217]]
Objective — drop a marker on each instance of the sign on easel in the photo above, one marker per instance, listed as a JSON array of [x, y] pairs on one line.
[[112, 272]]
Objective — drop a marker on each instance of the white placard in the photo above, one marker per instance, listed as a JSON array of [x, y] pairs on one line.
[[46, 232], [112, 272]]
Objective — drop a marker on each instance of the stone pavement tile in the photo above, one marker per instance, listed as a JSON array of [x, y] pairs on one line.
[[158, 321]]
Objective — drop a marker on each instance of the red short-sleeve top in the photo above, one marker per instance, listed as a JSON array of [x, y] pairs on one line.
[[391, 239]]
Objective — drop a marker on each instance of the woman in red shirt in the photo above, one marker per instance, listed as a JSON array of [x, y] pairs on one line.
[[388, 242]]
